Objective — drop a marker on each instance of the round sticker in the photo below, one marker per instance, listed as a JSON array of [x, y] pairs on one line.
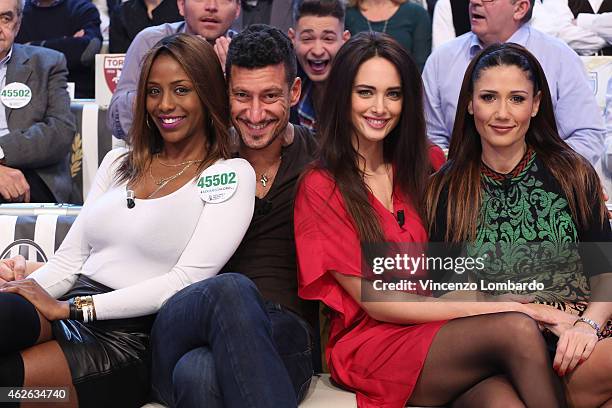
[[218, 183], [16, 95]]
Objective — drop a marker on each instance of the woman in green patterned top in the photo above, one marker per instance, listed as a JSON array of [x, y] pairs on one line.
[[514, 194]]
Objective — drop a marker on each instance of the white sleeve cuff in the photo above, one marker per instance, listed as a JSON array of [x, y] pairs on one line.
[[586, 20]]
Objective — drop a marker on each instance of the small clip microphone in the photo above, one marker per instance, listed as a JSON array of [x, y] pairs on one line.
[[400, 218], [130, 199]]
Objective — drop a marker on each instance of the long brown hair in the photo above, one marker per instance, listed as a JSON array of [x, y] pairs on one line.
[[460, 176], [199, 61], [405, 147]]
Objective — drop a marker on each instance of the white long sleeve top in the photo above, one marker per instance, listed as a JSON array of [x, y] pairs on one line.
[[149, 252]]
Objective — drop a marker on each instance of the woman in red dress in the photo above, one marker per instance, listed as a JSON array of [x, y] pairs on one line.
[[367, 188]]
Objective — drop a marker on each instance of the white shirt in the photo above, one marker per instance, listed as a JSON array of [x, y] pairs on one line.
[[599, 24], [149, 252], [442, 28], [595, 4], [553, 17]]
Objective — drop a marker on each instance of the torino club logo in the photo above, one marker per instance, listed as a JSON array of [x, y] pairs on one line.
[[26, 247], [112, 71]]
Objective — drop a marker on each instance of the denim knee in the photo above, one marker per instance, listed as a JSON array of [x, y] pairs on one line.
[[194, 378], [230, 285], [220, 288]]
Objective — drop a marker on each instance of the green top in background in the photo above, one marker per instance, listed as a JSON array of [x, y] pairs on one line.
[[410, 26]]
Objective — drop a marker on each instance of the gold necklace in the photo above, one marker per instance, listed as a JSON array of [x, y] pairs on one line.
[[178, 164], [162, 182]]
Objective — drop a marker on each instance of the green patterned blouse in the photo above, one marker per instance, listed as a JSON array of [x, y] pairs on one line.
[[526, 234]]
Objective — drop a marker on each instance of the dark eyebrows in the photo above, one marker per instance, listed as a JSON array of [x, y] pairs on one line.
[[273, 89], [365, 86], [373, 88], [178, 81], [311, 31], [495, 92], [10, 14]]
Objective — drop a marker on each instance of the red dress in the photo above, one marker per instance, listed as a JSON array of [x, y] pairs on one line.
[[381, 362]]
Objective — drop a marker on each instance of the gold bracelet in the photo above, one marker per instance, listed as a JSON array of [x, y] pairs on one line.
[[86, 306]]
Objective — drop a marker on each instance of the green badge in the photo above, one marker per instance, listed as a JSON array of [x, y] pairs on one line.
[[218, 183], [16, 95]]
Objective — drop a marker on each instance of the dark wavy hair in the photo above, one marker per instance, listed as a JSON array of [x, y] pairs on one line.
[[405, 147], [199, 60], [460, 176], [258, 46]]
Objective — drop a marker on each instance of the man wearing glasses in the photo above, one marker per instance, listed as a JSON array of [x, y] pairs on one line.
[[578, 117], [36, 126]]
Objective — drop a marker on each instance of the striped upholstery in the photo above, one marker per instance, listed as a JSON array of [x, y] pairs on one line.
[[36, 237]]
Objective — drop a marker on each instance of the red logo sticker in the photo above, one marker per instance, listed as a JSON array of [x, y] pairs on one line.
[[112, 71]]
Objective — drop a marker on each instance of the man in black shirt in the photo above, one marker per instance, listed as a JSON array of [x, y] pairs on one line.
[[242, 338]]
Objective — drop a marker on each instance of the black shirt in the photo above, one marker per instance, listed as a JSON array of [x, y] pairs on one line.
[[267, 252], [131, 17]]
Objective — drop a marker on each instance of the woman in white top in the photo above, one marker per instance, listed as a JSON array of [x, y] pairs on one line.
[[168, 212]]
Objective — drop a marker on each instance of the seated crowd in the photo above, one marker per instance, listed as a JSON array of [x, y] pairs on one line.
[[274, 150]]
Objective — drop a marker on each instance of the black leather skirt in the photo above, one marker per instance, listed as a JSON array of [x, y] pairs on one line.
[[109, 359]]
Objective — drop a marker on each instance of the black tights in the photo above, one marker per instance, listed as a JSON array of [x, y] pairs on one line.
[[19, 329], [466, 352]]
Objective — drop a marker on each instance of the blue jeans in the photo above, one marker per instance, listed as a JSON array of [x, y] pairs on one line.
[[216, 343]]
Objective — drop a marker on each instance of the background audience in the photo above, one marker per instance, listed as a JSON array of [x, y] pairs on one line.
[[71, 27], [407, 22], [596, 16], [36, 133], [586, 31], [317, 35], [557, 19], [277, 13], [133, 16], [105, 7], [450, 20]]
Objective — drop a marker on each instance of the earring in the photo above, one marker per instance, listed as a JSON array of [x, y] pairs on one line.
[[147, 121]]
